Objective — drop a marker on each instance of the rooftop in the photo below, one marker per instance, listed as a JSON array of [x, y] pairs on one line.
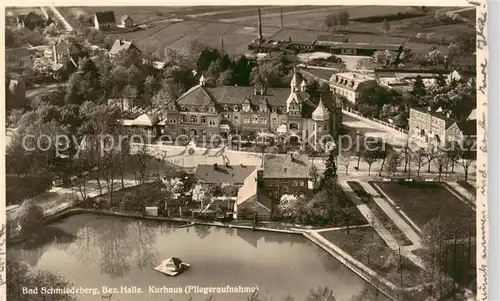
[[218, 174], [120, 45], [468, 127], [105, 17], [286, 166]]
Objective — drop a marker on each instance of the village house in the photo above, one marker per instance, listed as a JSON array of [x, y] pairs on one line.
[[122, 45], [63, 52], [126, 22], [15, 94], [31, 21], [462, 132], [285, 174], [351, 84], [104, 20]]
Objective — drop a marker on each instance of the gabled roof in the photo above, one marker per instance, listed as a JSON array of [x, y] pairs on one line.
[[286, 166], [120, 45], [218, 174], [125, 17], [197, 96], [145, 120], [105, 17], [468, 127]]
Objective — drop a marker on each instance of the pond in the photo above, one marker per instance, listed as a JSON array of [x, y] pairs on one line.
[[93, 251]]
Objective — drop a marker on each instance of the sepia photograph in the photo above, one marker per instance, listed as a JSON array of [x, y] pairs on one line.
[[245, 153]]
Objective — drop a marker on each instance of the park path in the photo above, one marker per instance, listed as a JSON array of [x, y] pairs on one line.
[[381, 230], [467, 195], [392, 214]]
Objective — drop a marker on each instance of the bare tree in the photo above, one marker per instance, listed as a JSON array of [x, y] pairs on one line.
[[419, 158], [432, 152], [346, 161], [393, 161]]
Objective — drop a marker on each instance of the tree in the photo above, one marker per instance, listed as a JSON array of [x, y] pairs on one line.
[[393, 161], [419, 157], [435, 58], [331, 21], [292, 207], [385, 26], [432, 152], [418, 89], [31, 218], [202, 194], [383, 57], [343, 18], [441, 80], [370, 156], [441, 161], [313, 173], [467, 156], [346, 161], [321, 294], [330, 172]]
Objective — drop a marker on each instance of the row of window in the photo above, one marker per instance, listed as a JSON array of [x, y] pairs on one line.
[[344, 92], [284, 183], [236, 108]]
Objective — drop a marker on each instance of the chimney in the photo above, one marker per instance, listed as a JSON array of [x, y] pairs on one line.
[[289, 39], [448, 114], [215, 166], [259, 25], [429, 109]]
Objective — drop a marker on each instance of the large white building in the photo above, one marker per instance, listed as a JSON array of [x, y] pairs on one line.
[[351, 84]]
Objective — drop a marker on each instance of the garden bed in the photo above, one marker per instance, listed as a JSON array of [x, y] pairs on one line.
[[366, 246], [380, 214], [423, 202]]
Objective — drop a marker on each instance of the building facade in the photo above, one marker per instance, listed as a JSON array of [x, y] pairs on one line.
[[226, 110], [428, 127], [350, 84], [104, 20]]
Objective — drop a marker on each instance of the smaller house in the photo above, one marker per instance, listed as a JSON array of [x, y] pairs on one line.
[[126, 22], [31, 21], [122, 45], [462, 131], [104, 20], [351, 84], [16, 93]]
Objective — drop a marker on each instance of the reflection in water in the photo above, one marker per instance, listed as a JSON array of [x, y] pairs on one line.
[[118, 252]]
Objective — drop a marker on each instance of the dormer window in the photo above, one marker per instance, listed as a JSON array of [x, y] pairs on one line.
[[274, 110], [202, 109], [226, 108], [262, 108], [235, 108], [193, 109], [211, 109], [183, 108], [246, 107]]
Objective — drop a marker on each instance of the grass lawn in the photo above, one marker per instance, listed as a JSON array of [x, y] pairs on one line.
[[423, 202], [366, 246], [380, 214]]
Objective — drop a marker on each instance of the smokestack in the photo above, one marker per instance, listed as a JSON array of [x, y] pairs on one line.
[[215, 166], [281, 16], [259, 25]]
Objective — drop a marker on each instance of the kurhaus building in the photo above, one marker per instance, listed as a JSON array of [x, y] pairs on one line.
[[204, 111]]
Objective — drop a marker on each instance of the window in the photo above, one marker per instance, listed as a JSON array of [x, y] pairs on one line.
[[263, 108], [246, 119], [211, 122], [255, 119], [273, 121], [193, 109], [246, 107], [285, 189], [263, 120], [314, 126], [274, 110], [283, 120], [236, 119], [194, 119], [235, 108], [295, 183], [226, 115], [226, 108], [320, 128], [183, 108], [203, 119], [211, 109], [302, 183], [202, 109], [172, 120], [184, 119]]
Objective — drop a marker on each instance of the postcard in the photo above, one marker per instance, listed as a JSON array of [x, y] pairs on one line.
[[244, 151]]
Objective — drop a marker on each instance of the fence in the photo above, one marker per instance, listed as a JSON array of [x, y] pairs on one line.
[[386, 124]]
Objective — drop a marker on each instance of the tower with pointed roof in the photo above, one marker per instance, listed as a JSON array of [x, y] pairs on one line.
[[320, 121]]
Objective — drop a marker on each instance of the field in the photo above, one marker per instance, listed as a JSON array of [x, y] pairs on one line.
[[238, 25], [424, 202]]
